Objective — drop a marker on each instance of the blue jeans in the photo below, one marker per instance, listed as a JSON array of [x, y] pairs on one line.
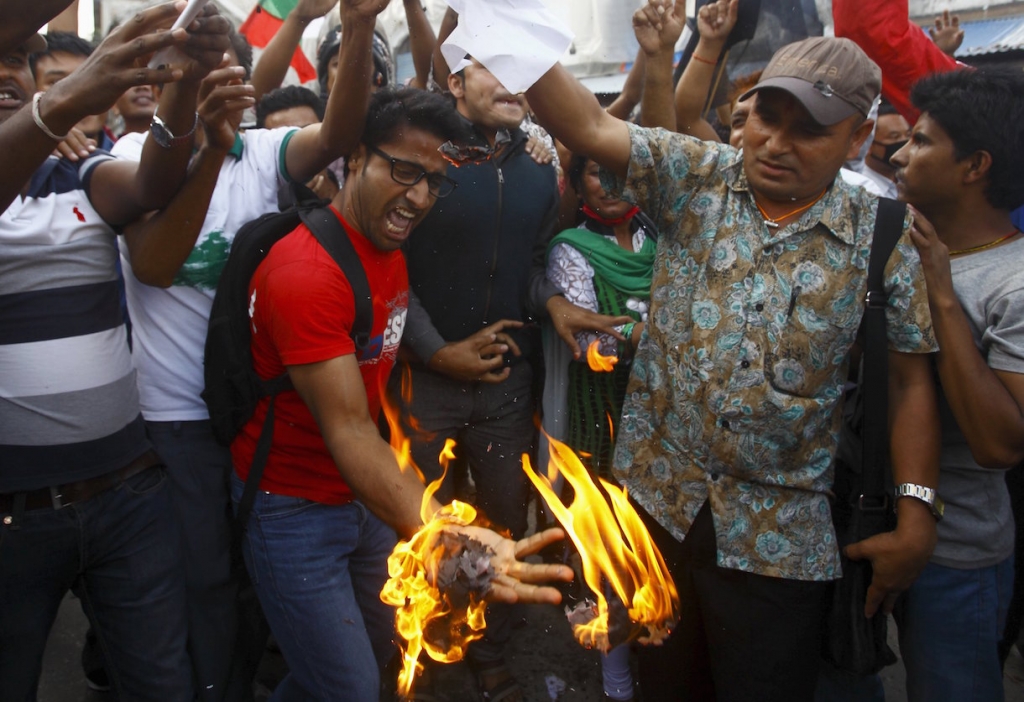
[[318, 570], [199, 472], [950, 622], [493, 427], [121, 554]]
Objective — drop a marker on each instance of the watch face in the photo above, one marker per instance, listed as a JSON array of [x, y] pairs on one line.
[[160, 133]]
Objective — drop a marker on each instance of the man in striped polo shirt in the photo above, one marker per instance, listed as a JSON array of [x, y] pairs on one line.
[[83, 501]]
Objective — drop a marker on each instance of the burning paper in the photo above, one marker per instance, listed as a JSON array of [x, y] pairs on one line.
[[597, 362], [636, 596], [437, 579]]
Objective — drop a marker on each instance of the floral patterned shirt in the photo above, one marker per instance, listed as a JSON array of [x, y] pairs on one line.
[[736, 390]]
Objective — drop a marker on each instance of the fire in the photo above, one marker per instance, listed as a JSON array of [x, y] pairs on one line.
[[597, 362], [619, 559], [440, 623]]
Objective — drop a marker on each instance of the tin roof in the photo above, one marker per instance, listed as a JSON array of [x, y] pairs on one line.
[[992, 36]]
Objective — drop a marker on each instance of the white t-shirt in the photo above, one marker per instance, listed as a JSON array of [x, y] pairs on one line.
[[169, 324]]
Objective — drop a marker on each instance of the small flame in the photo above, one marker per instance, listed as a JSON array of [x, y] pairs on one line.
[[619, 558], [424, 616], [597, 362]]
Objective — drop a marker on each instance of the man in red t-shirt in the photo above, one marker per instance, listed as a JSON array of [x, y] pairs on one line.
[[332, 495]]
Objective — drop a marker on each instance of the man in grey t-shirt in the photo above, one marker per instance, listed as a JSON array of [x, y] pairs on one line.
[[960, 170]]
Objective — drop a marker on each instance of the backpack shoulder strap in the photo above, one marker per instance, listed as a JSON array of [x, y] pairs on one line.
[[328, 231], [874, 380]]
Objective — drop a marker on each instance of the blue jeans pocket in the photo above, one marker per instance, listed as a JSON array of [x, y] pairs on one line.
[[146, 482]]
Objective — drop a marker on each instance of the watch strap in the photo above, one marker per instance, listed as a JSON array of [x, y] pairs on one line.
[[158, 125], [925, 494]]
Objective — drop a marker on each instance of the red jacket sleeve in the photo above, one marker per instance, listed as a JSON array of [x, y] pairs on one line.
[[882, 28]]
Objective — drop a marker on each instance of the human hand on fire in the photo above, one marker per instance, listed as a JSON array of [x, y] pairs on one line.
[[516, 580], [480, 357]]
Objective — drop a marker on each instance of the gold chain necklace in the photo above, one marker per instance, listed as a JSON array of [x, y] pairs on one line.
[[989, 245], [773, 222]]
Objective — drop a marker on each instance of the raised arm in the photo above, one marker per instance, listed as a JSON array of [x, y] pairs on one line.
[[270, 70], [657, 26], [714, 23], [882, 28], [159, 243], [632, 90], [573, 115], [317, 145], [122, 191], [448, 24], [23, 19], [91, 89], [421, 42]]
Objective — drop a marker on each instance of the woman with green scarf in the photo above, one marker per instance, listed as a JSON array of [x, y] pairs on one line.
[[603, 265]]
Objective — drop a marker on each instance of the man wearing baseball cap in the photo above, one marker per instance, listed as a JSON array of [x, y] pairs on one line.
[[731, 417]]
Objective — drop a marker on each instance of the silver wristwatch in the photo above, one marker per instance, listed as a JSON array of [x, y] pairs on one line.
[[163, 136], [925, 494]]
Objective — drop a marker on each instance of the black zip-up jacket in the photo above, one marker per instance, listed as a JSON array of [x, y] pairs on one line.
[[478, 256]]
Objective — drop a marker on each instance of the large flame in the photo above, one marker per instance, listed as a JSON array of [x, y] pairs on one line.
[[425, 617], [619, 558], [597, 362]]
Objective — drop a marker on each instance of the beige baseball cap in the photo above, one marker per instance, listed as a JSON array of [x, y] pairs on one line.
[[831, 77]]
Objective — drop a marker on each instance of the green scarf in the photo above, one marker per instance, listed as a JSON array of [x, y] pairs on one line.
[[624, 270]]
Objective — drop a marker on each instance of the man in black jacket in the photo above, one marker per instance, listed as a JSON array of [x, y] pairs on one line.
[[467, 346]]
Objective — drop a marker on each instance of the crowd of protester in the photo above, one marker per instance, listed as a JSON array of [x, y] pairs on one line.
[[501, 236]]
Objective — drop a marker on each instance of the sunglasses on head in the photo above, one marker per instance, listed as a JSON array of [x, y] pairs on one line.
[[462, 154]]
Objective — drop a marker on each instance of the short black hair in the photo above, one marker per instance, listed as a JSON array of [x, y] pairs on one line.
[[981, 110], [393, 109], [886, 108], [286, 98], [63, 43]]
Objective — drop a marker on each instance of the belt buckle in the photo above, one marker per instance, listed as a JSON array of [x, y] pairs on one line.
[[57, 499]]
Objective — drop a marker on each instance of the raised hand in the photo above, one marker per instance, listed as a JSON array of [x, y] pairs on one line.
[[716, 20], [946, 33], [308, 10], [119, 63], [363, 8], [658, 25], [223, 97]]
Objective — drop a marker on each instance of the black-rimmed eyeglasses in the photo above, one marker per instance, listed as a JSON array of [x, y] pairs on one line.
[[408, 173]]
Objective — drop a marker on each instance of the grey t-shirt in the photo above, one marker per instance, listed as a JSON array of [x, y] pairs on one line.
[[978, 528]]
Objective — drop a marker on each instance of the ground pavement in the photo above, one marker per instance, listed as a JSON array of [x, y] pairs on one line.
[[544, 657]]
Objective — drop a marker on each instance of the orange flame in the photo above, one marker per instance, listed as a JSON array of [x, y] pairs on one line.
[[616, 550], [424, 617], [597, 362]]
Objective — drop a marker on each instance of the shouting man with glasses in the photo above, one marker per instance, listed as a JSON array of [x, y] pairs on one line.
[[332, 496]]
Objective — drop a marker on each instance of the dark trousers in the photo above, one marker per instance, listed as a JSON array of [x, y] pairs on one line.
[[226, 631], [740, 637], [493, 427], [120, 553]]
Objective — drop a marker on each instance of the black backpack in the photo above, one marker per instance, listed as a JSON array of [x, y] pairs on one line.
[[232, 387]]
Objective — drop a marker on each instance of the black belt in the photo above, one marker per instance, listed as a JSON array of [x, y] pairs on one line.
[[60, 496]]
